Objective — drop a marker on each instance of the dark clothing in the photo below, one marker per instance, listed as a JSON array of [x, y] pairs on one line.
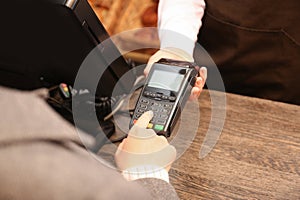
[[256, 46]]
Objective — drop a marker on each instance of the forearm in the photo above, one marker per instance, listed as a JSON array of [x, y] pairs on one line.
[[179, 22]]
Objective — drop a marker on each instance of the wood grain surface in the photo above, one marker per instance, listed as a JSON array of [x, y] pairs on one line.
[[256, 157]]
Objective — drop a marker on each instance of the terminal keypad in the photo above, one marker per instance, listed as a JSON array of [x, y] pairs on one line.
[[161, 105]]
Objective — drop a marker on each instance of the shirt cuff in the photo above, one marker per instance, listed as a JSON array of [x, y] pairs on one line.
[[145, 171], [170, 39]]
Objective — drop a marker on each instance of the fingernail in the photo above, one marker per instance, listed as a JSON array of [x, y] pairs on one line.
[[150, 113], [203, 71]]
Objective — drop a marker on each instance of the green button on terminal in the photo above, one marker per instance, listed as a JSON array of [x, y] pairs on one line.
[[159, 127]]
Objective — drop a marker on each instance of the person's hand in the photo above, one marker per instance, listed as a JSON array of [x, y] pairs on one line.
[[143, 147], [177, 54]]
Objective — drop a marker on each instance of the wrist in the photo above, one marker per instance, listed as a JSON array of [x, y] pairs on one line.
[[179, 53]]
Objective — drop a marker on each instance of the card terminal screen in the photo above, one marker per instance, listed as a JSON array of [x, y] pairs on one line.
[[166, 80]]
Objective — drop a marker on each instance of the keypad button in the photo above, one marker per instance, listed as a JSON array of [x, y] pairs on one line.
[[137, 115], [166, 111], [158, 95], [150, 125], [155, 104], [167, 106], [147, 93], [171, 98], [145, 101], [163, 116], [161, 121], [143, 106], [141, 110], [159, 127], [152, 95], [155, 109], [164, 97]]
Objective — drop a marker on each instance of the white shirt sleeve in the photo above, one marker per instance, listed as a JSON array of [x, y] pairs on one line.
[[179, 22], [145, 171]]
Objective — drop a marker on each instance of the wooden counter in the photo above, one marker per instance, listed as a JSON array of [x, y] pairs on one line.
[[256, 157]]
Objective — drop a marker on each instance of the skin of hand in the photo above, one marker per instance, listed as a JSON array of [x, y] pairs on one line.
[[177, 54], [144, 147]]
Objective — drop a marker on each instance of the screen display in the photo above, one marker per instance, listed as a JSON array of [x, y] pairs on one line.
[[166, 80]]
